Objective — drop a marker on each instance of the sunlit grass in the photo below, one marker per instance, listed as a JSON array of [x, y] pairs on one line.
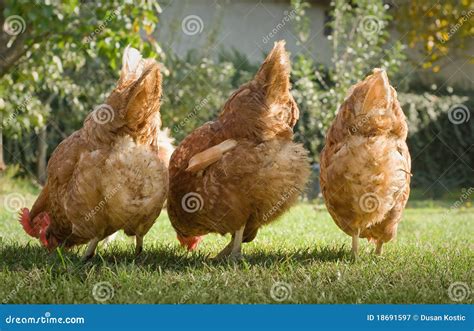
[[304, 250]]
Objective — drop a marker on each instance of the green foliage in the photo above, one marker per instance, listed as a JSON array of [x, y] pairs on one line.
[[61, 43], [195, 89], [439, 141], [244, 69], [11, 182], [70, 57], [359, 34], [437, 30]]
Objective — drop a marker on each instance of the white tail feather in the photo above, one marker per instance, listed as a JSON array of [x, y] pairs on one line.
[[132, 64]]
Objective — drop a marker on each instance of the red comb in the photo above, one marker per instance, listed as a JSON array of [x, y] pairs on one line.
[[191, 243], [26, 223]]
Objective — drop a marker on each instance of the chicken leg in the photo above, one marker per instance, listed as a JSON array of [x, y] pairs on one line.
[[90, 249], [139, 244], [234, 249], [355, 244], [378, 247]]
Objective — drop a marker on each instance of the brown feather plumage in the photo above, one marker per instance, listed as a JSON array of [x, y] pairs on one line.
[[365, 164], [112, 174], [256, 180]]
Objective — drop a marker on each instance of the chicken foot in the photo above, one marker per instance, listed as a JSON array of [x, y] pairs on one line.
[[234, 249]]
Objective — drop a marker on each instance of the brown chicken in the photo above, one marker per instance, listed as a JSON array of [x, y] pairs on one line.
[[365, 165], [243, 170], [112, 174]]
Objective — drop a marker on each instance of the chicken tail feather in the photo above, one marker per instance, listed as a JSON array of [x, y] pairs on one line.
[[141, 78], [211, 155], [274, 75]]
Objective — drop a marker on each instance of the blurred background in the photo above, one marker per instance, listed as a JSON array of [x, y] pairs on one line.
[[60, 59]]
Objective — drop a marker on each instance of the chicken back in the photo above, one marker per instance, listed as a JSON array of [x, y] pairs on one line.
[[243, 170], [112, 173], [365, 164]]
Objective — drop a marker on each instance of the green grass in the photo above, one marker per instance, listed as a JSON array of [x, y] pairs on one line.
[[305, 250]]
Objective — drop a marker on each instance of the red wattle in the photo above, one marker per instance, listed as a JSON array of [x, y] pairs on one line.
[[42, 238], [191, 243], [26, 223]]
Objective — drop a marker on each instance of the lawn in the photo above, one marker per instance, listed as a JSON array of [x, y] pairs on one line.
[[302, 258]]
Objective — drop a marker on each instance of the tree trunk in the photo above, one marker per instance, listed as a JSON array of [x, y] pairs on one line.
[[2, 163], [42, 154], [11, 54]]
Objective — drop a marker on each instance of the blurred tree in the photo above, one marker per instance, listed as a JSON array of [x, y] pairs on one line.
[[436, 29], [66, 55], [359, 37], [195, 89]]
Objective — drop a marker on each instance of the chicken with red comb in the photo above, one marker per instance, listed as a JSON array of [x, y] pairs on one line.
[[242, 170], [112, 174]]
